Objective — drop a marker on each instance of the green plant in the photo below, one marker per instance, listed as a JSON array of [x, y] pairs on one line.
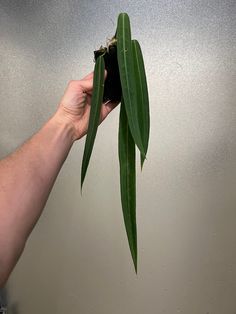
[[125, 82]]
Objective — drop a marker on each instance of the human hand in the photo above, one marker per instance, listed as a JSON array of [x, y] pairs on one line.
[[75, 105]]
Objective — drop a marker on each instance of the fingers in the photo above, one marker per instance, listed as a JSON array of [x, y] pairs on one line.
[[110, 105], [107, 107], [87, 85], [88, 76], [87, 82], [105, 74]]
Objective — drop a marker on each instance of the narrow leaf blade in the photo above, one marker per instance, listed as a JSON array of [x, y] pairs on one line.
[[127, 77], [128, 181], [96, 103], [142, 93]]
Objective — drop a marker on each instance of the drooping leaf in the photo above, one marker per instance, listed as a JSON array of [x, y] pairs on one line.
[[127, 77], [96, 103], [142, 99], [128, 181]]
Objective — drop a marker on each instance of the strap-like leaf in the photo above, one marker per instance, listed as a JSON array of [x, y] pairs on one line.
[[127, 77], [96, 103], [128, 181], [142, 99]]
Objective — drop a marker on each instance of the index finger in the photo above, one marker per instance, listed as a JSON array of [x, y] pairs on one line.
[[88, 76]]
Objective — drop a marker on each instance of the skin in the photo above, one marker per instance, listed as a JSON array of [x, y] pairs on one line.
[[28, 174]]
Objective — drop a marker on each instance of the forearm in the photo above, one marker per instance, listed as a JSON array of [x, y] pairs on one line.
[[26, 179], [27, 176]]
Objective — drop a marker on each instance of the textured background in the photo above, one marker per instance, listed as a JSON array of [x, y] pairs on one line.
[[77, 259]]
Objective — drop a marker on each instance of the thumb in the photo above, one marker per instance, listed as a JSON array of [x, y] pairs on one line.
[[87, 82]]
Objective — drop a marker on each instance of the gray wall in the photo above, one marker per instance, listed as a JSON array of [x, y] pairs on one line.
[[77, 259]]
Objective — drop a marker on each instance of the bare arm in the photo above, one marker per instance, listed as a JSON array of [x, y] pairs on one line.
[[27, 176]]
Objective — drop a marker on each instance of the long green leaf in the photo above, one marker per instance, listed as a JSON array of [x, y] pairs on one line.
[[128, 181], [142, 99], [96, 103], [127, 77]]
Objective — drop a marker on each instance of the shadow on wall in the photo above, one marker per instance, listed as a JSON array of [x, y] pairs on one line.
[[4, 300]]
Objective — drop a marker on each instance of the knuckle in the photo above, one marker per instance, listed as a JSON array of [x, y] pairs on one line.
[[72, 83]]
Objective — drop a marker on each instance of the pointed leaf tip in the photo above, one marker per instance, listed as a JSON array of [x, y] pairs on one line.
[[96, 103], [142, 97], [128, 181]]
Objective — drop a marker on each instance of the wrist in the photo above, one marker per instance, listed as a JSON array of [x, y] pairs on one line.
[[64, 125]]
